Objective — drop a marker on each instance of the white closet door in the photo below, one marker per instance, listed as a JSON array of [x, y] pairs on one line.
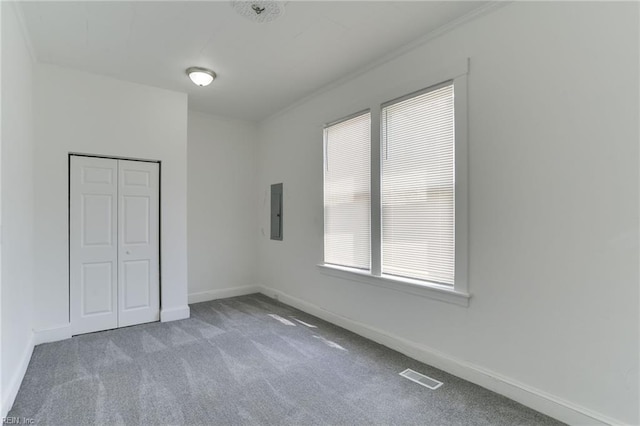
[[138, 243], [93, 244]]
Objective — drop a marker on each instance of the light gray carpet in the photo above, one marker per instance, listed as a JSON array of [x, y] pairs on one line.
[[246, 360]]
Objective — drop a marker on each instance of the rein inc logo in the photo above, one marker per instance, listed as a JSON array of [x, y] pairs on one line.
[[18, 421]]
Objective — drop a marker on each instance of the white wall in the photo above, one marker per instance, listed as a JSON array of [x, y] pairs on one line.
[[553, 138], [222, 226], [17, 207], [86, 113]]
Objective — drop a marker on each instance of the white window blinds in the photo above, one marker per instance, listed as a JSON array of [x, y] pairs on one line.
[[418, 186], [347, 199]]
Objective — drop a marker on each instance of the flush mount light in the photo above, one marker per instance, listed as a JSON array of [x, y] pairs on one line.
[[201, 76], [259, 10]]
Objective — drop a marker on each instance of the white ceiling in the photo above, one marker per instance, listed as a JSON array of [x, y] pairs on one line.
[[262, 68]]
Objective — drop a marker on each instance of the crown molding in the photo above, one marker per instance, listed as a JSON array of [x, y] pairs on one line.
[[420, 41]]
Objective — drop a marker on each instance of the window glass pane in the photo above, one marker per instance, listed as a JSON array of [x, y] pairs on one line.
[[418, 187], [347, 200]]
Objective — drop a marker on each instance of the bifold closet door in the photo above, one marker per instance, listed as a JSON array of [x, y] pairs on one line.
[[93, 235], [138, 243], [114, 243]]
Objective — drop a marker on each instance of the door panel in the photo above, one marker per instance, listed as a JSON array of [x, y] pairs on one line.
[[96, 288], [136, 221], [92, 244], [137, 178], [138, 243], [97, 220], [104, 175], [137, 284]]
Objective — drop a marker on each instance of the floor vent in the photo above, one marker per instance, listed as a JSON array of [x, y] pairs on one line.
[[421, 379]]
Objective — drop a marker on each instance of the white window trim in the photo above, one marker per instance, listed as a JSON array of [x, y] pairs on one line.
[[458, 294]]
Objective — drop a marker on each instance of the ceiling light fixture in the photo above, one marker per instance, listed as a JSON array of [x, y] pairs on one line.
[[259, 10], [201, 76]]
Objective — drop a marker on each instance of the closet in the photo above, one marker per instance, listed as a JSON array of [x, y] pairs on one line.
[[114, 243]]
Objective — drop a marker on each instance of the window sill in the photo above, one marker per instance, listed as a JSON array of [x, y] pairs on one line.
[[414, 287]]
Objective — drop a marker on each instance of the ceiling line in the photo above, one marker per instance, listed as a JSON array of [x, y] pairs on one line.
[[449, 26], [17, 8]]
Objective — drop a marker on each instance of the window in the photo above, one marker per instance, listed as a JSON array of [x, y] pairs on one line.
[[418, 186], [347, 200], [395, 205]]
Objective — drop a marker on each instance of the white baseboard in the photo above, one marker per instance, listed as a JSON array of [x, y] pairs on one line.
[[531, 397], [16, 380], [223, 293], [52, 334], [174, 314]]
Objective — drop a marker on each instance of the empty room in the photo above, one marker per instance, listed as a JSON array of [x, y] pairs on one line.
[[320, 212]]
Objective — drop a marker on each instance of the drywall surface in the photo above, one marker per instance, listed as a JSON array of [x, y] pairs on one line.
[[17, 206], [553, 165], [222, 228], [85, 113]]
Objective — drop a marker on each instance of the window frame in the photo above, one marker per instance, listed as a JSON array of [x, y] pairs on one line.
[[325, 161], [458, 293], [383, 153]]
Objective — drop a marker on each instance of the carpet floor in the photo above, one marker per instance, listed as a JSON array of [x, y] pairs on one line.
[[246, 360]]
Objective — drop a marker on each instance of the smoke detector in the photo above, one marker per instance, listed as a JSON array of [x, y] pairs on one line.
[[259, 10]]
